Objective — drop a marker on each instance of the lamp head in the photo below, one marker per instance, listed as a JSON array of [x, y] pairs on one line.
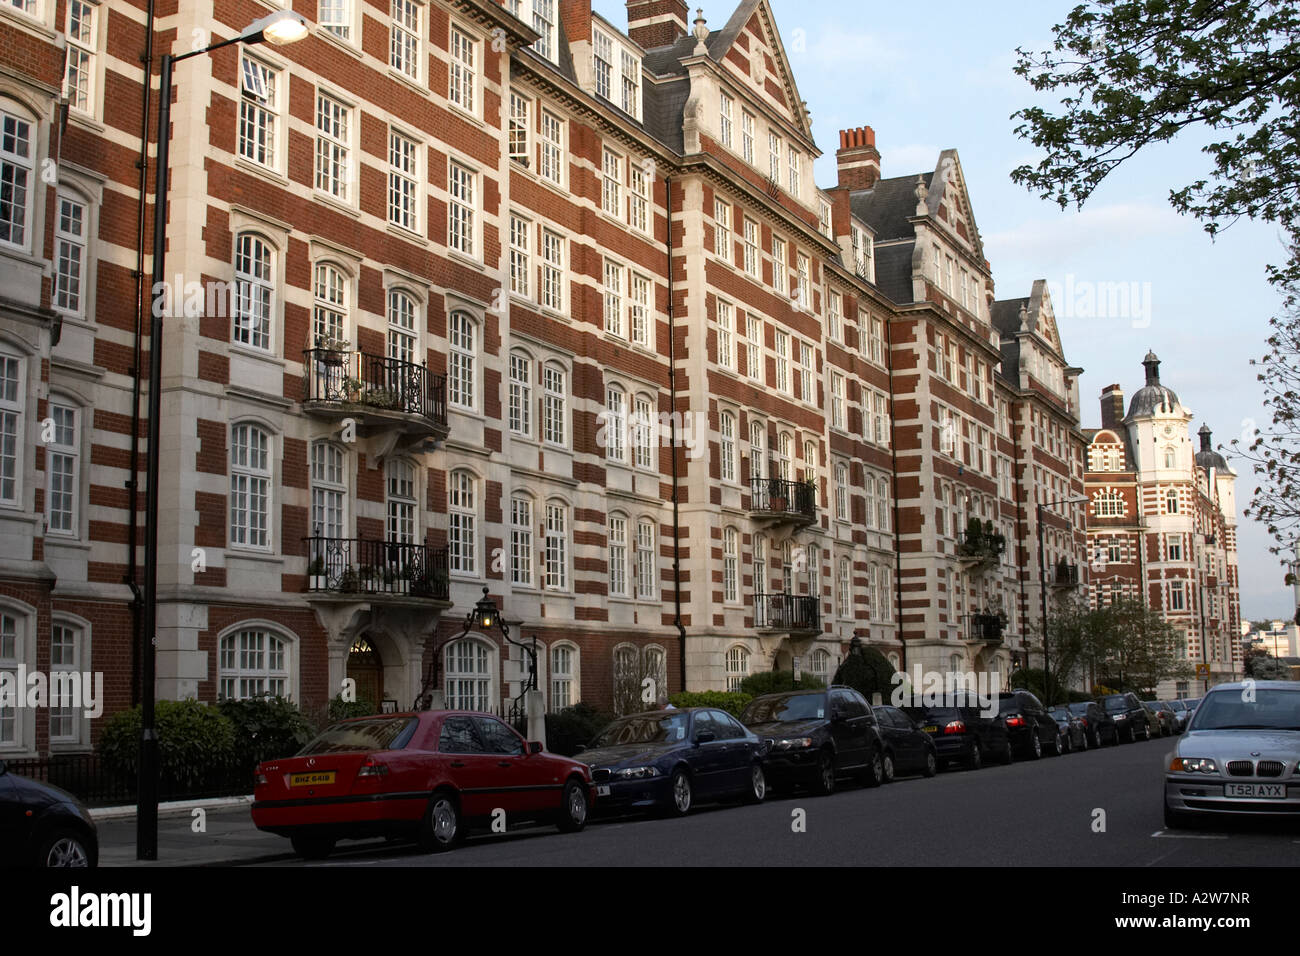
[[278, 29]]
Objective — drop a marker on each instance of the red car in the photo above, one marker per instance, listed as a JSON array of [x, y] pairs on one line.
[[429, 775]]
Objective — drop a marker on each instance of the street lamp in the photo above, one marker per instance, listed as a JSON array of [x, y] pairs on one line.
[[1208, 540], [1042, 588], [278, 29], [484, 616]]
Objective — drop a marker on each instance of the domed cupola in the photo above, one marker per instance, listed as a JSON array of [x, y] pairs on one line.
[[1153, 397], [1207, 457]]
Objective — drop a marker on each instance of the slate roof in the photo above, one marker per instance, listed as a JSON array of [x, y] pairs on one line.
[[887, 206]]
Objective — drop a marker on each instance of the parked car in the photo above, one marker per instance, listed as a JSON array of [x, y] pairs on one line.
[[1030, 727], [429, 775], [1131, 719], [1182, 712], [1166, 716], [1240, 755], [671, 760], [43, 826], [1099, 724], [819, 737], [963, 734], [908, 749], [1073, 730], [1191, 704]]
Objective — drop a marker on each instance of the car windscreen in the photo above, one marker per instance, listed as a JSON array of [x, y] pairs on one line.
[[1060, 714], [1263, 708], [644, 729], [786, 707], [358, 736], [1115, 704], [1079, 708]]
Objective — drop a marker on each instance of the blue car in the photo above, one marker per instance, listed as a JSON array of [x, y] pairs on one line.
[[671, 760]]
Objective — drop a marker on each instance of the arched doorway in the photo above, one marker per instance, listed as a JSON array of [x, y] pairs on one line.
[[367, 669]]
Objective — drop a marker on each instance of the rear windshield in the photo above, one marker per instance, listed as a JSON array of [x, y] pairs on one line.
[[354, 736], [1060, 713], [1115, 703], [1079, 708], [786, 707]]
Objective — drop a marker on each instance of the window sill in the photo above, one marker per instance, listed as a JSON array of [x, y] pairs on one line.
[[329, 199], [268, 556], [264, 172], [407, 80], [410, 235], [464, 259], [238, 348]]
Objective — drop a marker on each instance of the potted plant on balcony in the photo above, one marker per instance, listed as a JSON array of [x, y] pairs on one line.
[[776, 494], [316, 579], [348, 580], [380, 398], [332, 351]]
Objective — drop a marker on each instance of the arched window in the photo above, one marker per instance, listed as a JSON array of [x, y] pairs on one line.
[[627, 679], [618, 555], [1171, 501], [655, 665], [403, 336], [69, 654], [469, 675], [17, 166], [462, 523], [730, 565], [250, 487], [462, 361], [820, 664], [254, 292], [815, 574], [330, 305], [727, 446], [519, 403], [1170, 458], [401, 500], [71, 233], [564, 676], [882, 504], [787, 566], [757, 450], [737, 667], [1108, 503], [644, 431], [253, 662], [785, 449], [615, 423], [809, 460], [521, 541]]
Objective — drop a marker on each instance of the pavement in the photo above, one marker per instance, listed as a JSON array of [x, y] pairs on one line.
[[191, 833]]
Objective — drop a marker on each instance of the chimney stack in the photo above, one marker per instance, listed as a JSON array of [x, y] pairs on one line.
[[575, 20], [656, 23], [858, 159], [1112, 407]]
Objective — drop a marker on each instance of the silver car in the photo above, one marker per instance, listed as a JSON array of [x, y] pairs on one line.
[[1240, 755]]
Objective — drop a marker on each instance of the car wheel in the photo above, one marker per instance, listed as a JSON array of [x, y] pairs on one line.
[[573, 816], [825, 782], [312, 846], [1056, 749], [874, 775], [1035, 745], [1083, 745], [1097, 740], [976, 759], [1009, 754], [757, 784], [681, 794], [442, 827], [931, 764], [64, 848], [1147, 735], [890, 770]]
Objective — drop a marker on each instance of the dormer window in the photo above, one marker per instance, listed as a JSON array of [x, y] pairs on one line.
[[616, 71], [540, 15]]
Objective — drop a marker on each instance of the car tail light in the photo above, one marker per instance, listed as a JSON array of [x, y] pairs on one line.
[[1084, 721], [1015, 720], [373, 768], [956, 727]]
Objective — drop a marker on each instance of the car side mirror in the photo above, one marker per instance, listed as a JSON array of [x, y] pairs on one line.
[[535, 747], [705, 736]]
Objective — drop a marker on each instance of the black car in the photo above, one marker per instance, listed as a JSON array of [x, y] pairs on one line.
[[41, 825], [908, 748], [963, 734], [1030, 727], [672, 759], [817, 737], [1131, 719], [1073, 732], [1099, 725]]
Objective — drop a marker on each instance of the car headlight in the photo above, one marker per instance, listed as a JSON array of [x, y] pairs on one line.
[[636, 773], [792, 743], [1193, 765]]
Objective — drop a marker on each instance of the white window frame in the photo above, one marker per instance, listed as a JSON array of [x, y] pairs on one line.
[[253, 661], [647, 559], [550, 147], [462, 523], [71, 235], [252, 479], [82, 57], [13, 427], [555, 401], [519, 396], [464, 80], [617, 555], [727, 447], [521, 541], [18, 141], [730, 565], [726, 334], [63, 458], [557, 546], [462, 361], [554, 247], [405, 39], [335, 132], [463, 193], [404, 178]]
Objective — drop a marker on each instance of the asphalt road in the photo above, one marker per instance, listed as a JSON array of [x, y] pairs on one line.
[[1098, 808]]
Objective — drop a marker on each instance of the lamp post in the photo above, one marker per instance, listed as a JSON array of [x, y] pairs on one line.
[[1206, 539], [484, 616], [278, 29], [1042, 588]]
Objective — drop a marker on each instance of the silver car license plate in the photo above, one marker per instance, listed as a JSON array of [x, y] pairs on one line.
[[1256, 791], [602, 790]]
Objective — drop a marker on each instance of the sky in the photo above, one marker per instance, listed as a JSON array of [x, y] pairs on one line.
[[941, 78]]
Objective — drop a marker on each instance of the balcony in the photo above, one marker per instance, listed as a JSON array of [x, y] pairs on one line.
[[787, 612], [979, 546], [1065, 575], [377, 391], [361, 567], [986, 628], [780, 501]]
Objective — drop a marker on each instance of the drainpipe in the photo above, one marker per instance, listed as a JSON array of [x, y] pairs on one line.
[[893, 457], [133, 484], [1020, 511], [672, 425]]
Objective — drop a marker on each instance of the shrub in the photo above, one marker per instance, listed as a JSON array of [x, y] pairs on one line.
[[867, 671], [196, 743], [341, 709], [574, 726], [732, 702], [266, 728], [773, 682]]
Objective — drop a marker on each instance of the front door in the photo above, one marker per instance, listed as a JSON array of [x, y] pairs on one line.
[[367, 670]]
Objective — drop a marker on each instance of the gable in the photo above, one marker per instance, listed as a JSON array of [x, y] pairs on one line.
[[949, 203], [750, 50]]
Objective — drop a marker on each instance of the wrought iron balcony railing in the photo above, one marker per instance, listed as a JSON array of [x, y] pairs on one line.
[[366, 566], [780, 497], [986, 628], [1065, 576], [356, 378], [787, 612]]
